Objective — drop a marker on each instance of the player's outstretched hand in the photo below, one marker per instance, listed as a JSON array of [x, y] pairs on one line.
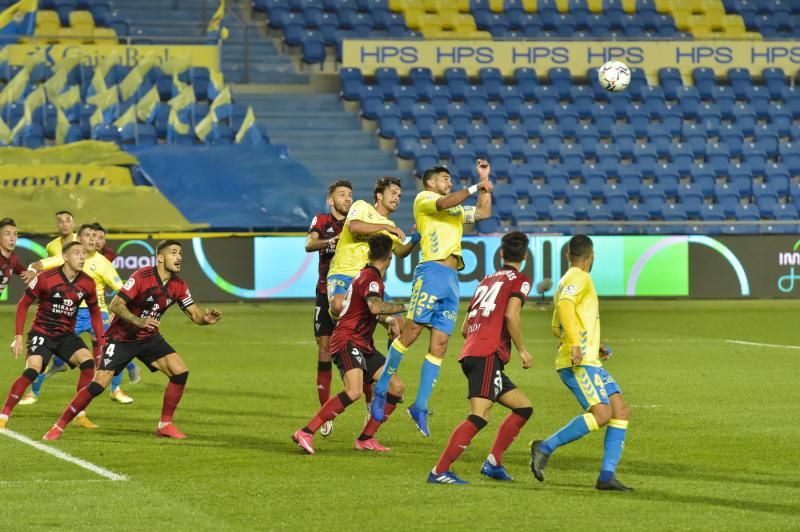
[[487, 186], [28, 276], [16, 346], [212, 316], [527, 360], [483, 169], [577, 356], [331, 247], [605, 352], [148, 323], [398, 233]]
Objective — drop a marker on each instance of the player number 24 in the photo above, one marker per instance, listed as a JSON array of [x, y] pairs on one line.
[[485, 299]]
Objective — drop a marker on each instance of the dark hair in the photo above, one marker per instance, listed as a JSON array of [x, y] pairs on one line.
[[383, 183], [69, 245], [514, 246], [84, 227], [7, 221], [380, 246], [64, 212], [164, 244], [579, 246], [340, 183], [98, 227], [430, 172]]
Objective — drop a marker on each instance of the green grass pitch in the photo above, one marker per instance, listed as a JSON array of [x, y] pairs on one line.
[[713, 442]]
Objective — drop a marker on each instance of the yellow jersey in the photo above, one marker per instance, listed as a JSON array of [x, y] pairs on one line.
[[99, 269], [441, 231], [54, 246], [576, 285], [352, 250]]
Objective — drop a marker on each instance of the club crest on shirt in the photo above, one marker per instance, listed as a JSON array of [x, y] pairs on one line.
[[526, 287], [373, 287], [570, 290]]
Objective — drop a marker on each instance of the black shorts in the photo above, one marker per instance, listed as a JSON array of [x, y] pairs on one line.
[[323, 323], [485, 377], [48, 346], [356, 357], [117, 355]]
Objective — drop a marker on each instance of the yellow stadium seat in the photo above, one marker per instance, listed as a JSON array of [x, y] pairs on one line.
[[464, 32], [496, 6], [629, 6], [682, 20], [753, 36], [562, 5], [429, 20], [431, 6], [663, 6], [449, 19], [530, 6], [702, 31], [734, 23], [595, 6], [81, 18], [47, 31], [70, 36], [466, 21], [105, 36], [47, 17], [413, 18], [432, 31]]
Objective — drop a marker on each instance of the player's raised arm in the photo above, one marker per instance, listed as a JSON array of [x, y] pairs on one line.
[[455, 199], [483, 209], [568, 318], [120, 309], [208, 316], [379, 306], [514, 326]]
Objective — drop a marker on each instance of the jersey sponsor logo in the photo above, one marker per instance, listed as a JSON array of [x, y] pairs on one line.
[[570, 290], [450, 315], [129, 284], [526, 287], [374, 287], [68, 303]]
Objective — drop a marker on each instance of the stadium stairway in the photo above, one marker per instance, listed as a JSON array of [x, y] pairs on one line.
[[330, 142]]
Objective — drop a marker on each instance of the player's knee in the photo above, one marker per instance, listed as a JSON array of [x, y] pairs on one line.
[[602, 414], [524, 412], [30, 374], [86, 364], [95, 388], [478, 421], [353, 394], [180, 378], [622, 411], [396, 386]]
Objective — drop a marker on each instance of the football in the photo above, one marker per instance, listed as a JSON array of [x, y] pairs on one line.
[[614, 76]]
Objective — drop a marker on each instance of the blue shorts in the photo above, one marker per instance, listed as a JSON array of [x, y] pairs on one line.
[[338, 285], [84, 322], [434, 296], [590, 385]]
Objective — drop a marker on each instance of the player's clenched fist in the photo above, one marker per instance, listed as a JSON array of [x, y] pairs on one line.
[[485, 186]]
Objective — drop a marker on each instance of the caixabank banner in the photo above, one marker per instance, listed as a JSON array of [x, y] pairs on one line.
[[277, 267]]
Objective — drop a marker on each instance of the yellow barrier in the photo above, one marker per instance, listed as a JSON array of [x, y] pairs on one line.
[[578, 57], [14, 176], [75, 153], [129, 55]]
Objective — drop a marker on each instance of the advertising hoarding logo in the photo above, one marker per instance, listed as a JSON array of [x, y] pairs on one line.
[[790, 259]]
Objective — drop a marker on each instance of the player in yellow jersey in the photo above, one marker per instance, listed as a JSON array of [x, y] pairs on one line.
[[352, 249], [65, 223], [440, 217], [104, 275], [576, 322]]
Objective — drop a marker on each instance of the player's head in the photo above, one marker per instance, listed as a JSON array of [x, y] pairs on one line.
[[74, 255], [8, 235], [340, 196], [65, 223], [387, 192], [580, 252], [438, 180], [100, 236], [87, 236], [380, 249], [514, 247], [169, 254]]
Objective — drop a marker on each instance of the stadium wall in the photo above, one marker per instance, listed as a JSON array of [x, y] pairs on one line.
[[277, 267]]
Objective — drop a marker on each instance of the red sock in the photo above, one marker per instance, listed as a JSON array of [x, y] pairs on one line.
[[459, 441], [332, 408], [367, 392], [85, 378], [78, 403], [98, 354], [172, 396], [508, 430], [373, 424], [15, 394], [323, 381]]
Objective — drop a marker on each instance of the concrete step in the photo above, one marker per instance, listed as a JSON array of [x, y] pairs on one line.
[[334, 155]]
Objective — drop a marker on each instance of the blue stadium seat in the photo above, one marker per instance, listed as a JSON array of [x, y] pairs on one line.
[[516, 138], [691, 197], [778, 177], [512, 99], [670, 80], [728, 198], [740, 81], [536, 156], [457, 82], [500, 158], [444, 139], [406, 141], [541, 198], [504, 199], [523, 213], [489, 225], [668, 178], [552, 139], [558, 181], [580, 200], [492, 82], [653, 198], [636, 213], [731, 137], [425, 156], [386, 79], [712, 213], [646, 158], [725, 100], [775, 81], [562, 213], [458, 116], [424, 118], [496, 118], [572, 159], [480, 138], [630, 177], [740, 178], [704, 81], [464, 159], [422, 81], [520, 179], [595, 179], [617, 199], [681, 158], [533, 119], [710, 118], [674, 213], [599, 213], [747, 213], [548, 99], [313, 48], [766, 196], [785, 212], [527, 81]]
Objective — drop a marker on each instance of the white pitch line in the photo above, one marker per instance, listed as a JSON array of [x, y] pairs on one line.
[[64, 456], [759, 344]]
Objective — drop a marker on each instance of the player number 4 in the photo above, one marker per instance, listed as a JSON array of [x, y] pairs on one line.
[[485, 299], [110, 350]]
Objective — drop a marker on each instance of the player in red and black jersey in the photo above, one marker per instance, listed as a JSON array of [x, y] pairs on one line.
[[100, 243], [133, 333], [9, 262], [322, 237], [491, 325], [60, 292], [353, 350]]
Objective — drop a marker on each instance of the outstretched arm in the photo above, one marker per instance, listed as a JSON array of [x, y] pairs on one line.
[[315, 243], [203, 316], [379, 306], [120, 309], [360, 227]]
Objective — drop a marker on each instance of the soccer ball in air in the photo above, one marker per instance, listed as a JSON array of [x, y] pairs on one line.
[[614, 76]]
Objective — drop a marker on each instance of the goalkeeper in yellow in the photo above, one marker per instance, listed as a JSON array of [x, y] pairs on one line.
[[105, 277], [576, 321]]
